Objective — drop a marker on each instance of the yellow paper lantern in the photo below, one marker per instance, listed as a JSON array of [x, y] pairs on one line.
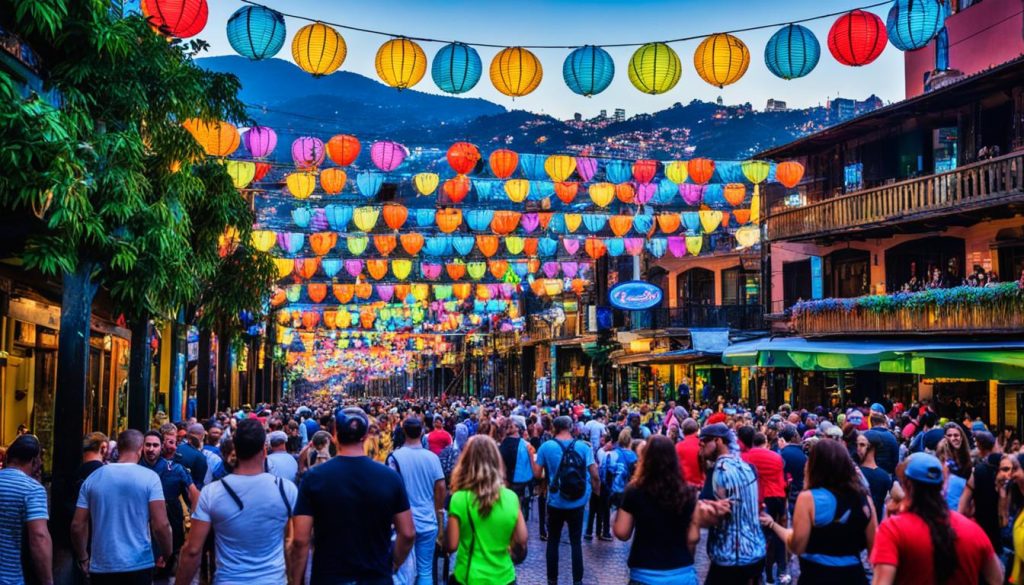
[[602, 194], [572, 222], [401, 268], [517, 190], [721, 59], [285, 266], [516, 72], [242, 172], [401, 63], [357, 244], [365, 218], [559, 167], [552, 286], [318, 49], [655, 68], [694, 244], [748, 235], [263, 240], [301, 184], [709, 220], [676, 171], [426, 183]]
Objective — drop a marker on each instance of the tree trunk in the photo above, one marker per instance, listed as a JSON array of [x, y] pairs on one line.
[[140, 373], [206, 401], [79, 289], [223, 370], [177, 391]]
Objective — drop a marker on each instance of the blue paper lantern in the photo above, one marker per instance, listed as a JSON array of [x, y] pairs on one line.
[[369, 183], [479, 220], [256, 32], [463, 244], [912, 24], [595, 222], [438, 246], [456, 68], [615, 247], [793, 51], [618, 171], [588, 70], [425, 216], [657, 246], [547, 247], [338, 216], [532, 166]]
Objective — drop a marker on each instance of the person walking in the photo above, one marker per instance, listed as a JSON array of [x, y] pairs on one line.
[[24, 516], [158, 453], [232, 507], [926, 543], [353, 503], [887, 455], [423, 477], [280, 462], [795, 461], [119, 507], [485, 525], [771, 493], [879, 482], [736, 544], [980, 499], [688, 453], [661, 513], [191, 456], [834, 520], [518, 458], [438, 438], [567, 463]]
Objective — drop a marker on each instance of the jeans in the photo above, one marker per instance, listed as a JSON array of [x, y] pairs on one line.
[[776, 557], [525, 492], [573, 518], [424, 547], [542, 512], [140, 577], [601, 510]]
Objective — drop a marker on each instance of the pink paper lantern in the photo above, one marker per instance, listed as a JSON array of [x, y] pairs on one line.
[[431, 270], [308, 152], [586, 167], [260, 141], [644, 193], [387, 155], [571, 245], [570, 269], [529, 222], [550, 269], [385, 292], [354, 268], [691, 193], [677, 246], [634, 246]]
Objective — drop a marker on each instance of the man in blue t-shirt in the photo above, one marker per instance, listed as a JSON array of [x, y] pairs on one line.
[[560, 510]]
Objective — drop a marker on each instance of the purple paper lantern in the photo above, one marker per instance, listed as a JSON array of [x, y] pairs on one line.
[[385, 292], [260, 141], [319, 222], [586, 168], [634, 246], [570, 269], [550, 269], [691, 193], [387, 155], [644, 193], [571, 245], [529, 222], [308, 152], [677, 246], [354, 268], [431, 270]]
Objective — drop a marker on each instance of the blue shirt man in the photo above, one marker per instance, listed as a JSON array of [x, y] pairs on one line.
[[158, 453]]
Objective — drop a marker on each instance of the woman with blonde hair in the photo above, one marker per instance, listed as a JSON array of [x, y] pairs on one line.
[[485, 524]]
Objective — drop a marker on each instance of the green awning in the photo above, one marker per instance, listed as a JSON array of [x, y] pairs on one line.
[[975, 360]]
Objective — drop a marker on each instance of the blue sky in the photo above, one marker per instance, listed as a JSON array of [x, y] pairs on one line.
[[578, 22]]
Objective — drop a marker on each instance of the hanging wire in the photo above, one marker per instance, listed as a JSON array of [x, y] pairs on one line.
[[609, 45]]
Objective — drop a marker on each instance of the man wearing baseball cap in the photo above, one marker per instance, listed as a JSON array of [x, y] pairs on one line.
[[927, 540], [353, 502], [736, 545], [280, 462]]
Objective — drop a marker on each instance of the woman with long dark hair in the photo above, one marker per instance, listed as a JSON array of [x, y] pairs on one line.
[[833, 521], [926, 542], [662, 515]]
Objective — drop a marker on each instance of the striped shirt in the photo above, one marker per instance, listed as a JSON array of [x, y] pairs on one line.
[[737, 539], [22, 499]]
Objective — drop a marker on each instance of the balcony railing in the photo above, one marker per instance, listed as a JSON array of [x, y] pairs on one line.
[[957, 310], [973, 185], [742, 317]]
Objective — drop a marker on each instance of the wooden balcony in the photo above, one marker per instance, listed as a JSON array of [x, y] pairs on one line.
[[839, 317], [975, 186]]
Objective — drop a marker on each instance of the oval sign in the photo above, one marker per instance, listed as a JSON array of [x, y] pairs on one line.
[[635, 295]]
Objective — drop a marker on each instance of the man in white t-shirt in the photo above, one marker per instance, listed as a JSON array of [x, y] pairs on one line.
[[280, 462], [119, 506], [596, 429], [249, 511]]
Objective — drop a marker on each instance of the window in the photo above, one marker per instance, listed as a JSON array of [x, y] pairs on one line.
[[853, 177]]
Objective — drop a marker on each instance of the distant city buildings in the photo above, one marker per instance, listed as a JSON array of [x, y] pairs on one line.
[[775, 105], [620, 115], [840, 109]]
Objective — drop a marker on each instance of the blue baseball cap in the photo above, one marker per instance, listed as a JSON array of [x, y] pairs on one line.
[[924, 468], [876, 407]]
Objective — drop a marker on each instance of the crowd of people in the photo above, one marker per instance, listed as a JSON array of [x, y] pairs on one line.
[[371, 491]]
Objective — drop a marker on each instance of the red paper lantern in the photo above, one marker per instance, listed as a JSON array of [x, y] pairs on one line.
[[462, 157], [644, 170], [566, 191], [456, 188], [789, 173], [857, 38], [503, 163], [700, 170], [176, 18], [262, 169], [343, 149]]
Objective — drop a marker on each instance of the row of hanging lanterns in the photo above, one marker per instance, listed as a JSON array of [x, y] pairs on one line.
[[856, 38]]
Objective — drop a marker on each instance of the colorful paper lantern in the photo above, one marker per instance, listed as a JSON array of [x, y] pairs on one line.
[[301, 184], [343, 149], [676, 172], [655, 68], [356, 245], [218, 139], [586, 167], [260, 141], [308, 152], [332, 181], [735, 193], [602, 194], [566, 191], [644, 170], [625, 192], [369, 183], [700, 170], [747, 236], [241, 172], [694, 244], [516, 72], [388, 155], [517, 190], [721, 59], [365, 218], [912, 24], [395, 215], [620, 224], [710, 219], [256, 32], [262, 169], [449, 219], [318, 49], [857, 38], [595, 248], [425, 183], [505, 222], [401, 268], [176, 18], [400, 63], [503, 163], [668, 223], [322, 242], [588, 70], [572, 221], [792, 52], [559, 167], [789, 173], [263, 240], [377, 268], [456, 188], [462, 157], [412, 243], [456, 68]]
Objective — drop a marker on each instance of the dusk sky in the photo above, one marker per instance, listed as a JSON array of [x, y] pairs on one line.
[[578, 22]]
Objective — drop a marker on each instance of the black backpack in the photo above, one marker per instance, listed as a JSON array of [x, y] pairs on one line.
[[570, 481]]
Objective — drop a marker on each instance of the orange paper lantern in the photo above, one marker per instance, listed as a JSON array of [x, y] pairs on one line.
[[456, 188], [461, 290], [566, 191], [395, 215], [503, 163], [505, 222], [579, 286], [462, 157], [412, 243], [402, 291], [322, 242], [317, 291], [620, 224], [343, 149], [530, 246], [377, 268], [544, 218], [385, 243], [278, 298], [307, 267], [735, 193], [448, 220], [310, 319], [595, 248], [789, 173], [625, 192], [343, 292], [742, 216], [668, 222], [700, 170], [365, 289], [498, 268], [455, 270], [333, 181], [488, 245], [330, 319]]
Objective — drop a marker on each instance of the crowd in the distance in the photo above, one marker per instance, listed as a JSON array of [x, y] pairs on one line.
[[374, 491]]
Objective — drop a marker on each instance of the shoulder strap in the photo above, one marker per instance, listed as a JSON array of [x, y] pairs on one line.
[[233, 494], [392, 459], [284, 497]]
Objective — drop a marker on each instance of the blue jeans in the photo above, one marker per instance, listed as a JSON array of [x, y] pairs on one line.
[[424, 547]]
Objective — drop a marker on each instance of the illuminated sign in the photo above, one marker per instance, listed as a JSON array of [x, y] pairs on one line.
[[634, 295]]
